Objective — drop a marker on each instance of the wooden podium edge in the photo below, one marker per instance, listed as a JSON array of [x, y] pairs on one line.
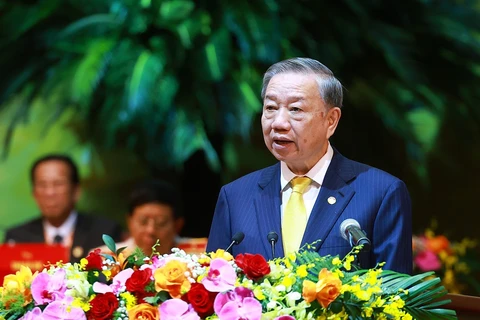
[[462, 302]]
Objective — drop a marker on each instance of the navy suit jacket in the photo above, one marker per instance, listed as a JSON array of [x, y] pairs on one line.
[[377, 200], [88, 234]]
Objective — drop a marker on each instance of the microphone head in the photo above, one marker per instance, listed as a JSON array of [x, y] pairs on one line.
[[238, 237], [345, 225], [272, 236]]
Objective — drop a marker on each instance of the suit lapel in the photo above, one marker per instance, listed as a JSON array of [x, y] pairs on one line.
[[80, 237], [267, 206], [36, 232], [334, 196]]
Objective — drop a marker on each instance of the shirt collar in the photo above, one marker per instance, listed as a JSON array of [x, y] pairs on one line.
[[65, 230], [317, 173]]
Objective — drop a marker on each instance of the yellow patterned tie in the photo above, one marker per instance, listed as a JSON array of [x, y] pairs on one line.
[[295, 216]]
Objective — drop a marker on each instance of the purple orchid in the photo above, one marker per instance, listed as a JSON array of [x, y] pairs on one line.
[[176, 309], [221, 276], [284, 318], [237, 304], [47, 288]]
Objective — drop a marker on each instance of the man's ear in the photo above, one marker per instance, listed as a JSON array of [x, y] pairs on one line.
[[333, 117], [77, 192], [179, 222]]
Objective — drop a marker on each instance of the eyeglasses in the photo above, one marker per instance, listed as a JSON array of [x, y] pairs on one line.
[[157, 223]]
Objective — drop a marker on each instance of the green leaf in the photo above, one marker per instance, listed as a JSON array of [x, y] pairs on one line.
[[188, 135], [145, 74], [425, 126], [90, 70], [91, 21], [109, 242], [22, 18], [176, 9], [218, 54], [197, 25]]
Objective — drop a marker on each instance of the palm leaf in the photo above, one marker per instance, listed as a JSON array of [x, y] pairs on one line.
[[94, 20], [145, 74], [90, 70], [423, 295]]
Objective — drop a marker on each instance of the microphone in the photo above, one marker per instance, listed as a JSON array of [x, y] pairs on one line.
[[236, 239], [352, 232], [272, 237]]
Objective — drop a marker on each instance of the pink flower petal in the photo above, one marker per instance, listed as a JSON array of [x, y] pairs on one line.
[[221, 276], [237, 304], [427, 261], [63, 310], [34, 314], [176, 309]]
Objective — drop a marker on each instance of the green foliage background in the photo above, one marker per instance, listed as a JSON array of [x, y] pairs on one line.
[[170, 88]]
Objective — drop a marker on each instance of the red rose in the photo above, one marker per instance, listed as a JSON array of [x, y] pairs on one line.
[[253, 265], [95, 260], [201, 300], [102, 306], [139, 280]]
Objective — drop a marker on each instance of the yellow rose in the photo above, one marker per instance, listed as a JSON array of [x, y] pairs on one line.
[[144, 311], [325, 291], [171, 277]]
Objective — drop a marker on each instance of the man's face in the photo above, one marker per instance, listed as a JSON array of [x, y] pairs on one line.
[[152, 221], [53, 190], [296, 123]]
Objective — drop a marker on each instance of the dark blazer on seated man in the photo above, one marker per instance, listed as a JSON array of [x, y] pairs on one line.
[[87, 235], [313, 189], [56, 190]]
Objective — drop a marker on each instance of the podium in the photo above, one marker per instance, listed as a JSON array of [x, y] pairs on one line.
[[466, 307], [193, 245]]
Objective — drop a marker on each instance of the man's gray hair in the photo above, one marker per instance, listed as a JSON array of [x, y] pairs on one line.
[[330, 88]]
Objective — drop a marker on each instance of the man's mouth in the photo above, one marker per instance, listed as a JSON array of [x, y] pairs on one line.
[[282, 142]]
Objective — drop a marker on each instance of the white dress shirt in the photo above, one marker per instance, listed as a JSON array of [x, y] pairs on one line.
[[66, 230]]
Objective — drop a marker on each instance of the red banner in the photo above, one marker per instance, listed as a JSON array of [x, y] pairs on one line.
[[33, 255]]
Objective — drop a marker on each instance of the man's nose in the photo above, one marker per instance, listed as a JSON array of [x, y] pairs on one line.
[[149, 227], [49, 190], [281, 121]]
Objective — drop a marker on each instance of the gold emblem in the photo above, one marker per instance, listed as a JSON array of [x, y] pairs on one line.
[[331, 200], [77, 252]]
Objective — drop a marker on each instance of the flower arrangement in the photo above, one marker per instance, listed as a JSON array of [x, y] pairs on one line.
[[455, 263], [217, 285]]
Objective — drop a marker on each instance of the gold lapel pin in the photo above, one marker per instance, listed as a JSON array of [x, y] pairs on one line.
[[331, 200], [77, 252]]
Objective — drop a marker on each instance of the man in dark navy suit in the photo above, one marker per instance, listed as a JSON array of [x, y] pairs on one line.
[[56, 189], [302, 103]]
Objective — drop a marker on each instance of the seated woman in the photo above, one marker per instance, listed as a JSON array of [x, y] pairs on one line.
[[153, 214]]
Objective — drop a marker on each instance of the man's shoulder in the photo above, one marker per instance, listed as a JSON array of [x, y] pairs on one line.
[[25, 225], [29, 231], [255, 176], [90, 218], [363, 171], [98, 225]]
